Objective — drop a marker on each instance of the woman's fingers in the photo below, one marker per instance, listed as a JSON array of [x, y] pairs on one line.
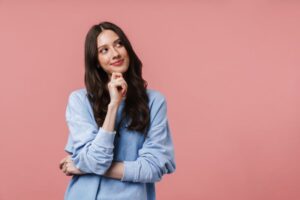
[[116, 75], [64, 168], [124, 88], [120, 83], [65, 159], [117, 87], [68, 168], [61, 163], [72, 170]]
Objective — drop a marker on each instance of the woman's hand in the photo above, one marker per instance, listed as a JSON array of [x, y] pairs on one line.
[[117, 87], [67, 166]]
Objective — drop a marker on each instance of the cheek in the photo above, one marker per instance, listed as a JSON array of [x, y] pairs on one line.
[[103, 60], [128, 60], [125, 53], [127, 56]]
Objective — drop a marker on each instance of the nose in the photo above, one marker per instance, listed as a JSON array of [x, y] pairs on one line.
[[115, 53]]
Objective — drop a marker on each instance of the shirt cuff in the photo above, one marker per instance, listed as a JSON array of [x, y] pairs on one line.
[[104, 138], [130, 169]]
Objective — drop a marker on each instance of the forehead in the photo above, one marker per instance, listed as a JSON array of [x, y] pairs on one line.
[[106, 37]]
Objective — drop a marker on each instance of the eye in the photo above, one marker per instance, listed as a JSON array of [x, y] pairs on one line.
[[120, 43], [103, 51]]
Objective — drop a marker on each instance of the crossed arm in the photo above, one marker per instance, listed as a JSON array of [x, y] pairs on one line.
[[67, 166], [116, 169]]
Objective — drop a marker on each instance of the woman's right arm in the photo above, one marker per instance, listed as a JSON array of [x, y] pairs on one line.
[[92, 150]]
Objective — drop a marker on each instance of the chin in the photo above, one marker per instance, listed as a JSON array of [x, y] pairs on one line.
[[120, 70]]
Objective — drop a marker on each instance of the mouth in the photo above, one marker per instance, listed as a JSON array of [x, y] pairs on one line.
[[118, 63]]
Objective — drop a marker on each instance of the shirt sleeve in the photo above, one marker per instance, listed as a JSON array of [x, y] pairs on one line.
[[156, 157], [92, 148]]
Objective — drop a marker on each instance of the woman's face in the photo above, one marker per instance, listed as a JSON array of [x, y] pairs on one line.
[[112, 55]]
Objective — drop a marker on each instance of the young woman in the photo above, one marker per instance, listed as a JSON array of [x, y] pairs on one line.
[[119, 137]]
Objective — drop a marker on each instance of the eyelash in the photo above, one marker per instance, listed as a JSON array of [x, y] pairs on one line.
[[119, 43]]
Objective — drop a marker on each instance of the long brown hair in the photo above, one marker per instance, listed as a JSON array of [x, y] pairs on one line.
[[136, 103]]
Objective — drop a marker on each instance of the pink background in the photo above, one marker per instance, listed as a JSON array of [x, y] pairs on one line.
[[230, 71]]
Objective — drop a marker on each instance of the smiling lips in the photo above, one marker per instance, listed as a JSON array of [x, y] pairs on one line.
[[118, 63]]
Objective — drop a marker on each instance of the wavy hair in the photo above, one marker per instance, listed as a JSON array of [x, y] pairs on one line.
[[136, 103]]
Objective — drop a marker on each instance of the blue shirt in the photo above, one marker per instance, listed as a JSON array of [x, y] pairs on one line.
[[146, 158]]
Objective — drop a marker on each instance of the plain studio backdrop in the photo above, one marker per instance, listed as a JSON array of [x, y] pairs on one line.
[[230, 71]]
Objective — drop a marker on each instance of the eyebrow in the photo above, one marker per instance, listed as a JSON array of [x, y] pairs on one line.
[[117, 40]]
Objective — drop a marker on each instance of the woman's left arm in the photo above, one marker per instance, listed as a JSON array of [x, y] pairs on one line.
[[156, 157]]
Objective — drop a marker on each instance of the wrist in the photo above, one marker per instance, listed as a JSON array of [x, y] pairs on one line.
[[113, 104]]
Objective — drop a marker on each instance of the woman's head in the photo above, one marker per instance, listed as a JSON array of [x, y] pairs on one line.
[[112, 54], [99, 58], [106, 44]]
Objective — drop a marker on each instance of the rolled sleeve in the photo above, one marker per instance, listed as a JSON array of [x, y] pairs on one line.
[[92, 147], [129, 171], [156, 157], [104, 139]]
